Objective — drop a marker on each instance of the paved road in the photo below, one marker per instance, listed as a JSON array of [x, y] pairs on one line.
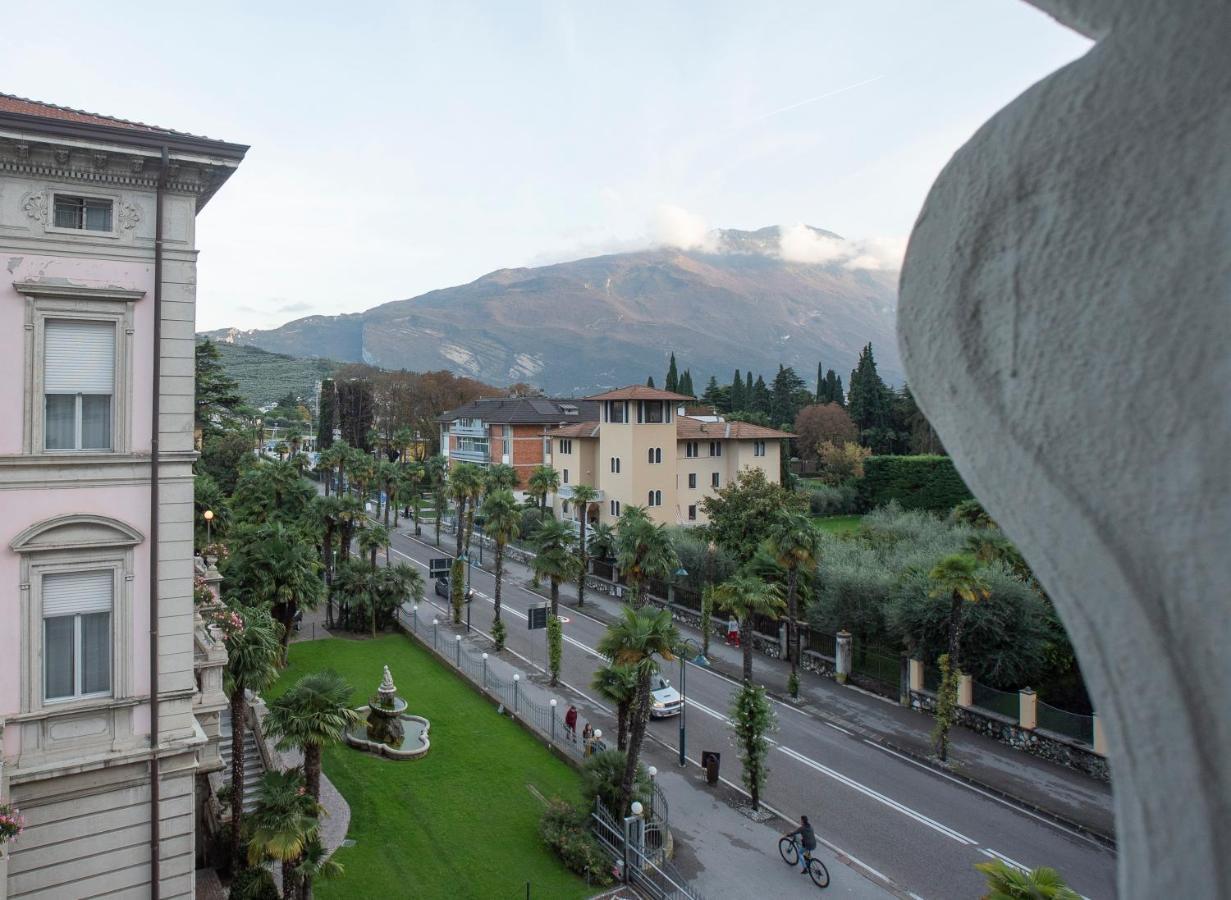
[[905, 822]]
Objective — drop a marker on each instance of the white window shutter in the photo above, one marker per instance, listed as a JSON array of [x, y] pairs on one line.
[[79, 357], [77, 593]]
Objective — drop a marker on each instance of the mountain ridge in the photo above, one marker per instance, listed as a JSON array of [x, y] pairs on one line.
[[602, 321]]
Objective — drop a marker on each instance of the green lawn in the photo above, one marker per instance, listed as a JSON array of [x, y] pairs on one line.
[[837, 524], [461, 822]]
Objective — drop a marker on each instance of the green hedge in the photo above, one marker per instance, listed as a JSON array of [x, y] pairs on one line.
[[916, 482]]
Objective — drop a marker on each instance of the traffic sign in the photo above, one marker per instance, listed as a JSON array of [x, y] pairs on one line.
[[536, 616]]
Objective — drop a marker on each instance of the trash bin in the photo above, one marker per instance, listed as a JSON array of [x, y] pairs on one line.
[[710, 761]]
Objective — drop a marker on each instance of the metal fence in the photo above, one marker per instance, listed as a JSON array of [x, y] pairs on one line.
[[1061, 721], [1003, 703], [877, 665], [626, 844], [819, 642]]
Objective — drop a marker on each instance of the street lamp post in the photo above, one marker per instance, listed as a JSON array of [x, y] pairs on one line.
[[209, 521], [683, 650]]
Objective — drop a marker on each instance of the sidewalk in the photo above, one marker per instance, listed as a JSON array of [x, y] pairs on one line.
[[1047, 788]]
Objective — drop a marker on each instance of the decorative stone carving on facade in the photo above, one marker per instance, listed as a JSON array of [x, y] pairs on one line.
[[129, 216], [35, 206], [1072, 250], [61, 157]]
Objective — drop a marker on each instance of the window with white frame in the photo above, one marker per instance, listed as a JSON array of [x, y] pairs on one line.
[[615, 508], [692, 480], [655, 498], [615, 465], [714, 480], [690, 449], [654, 455], [566, 445], [77, 637], [78, 384], [82, 213], [715, 448], [758, 448], [564, 476], [692, 512]]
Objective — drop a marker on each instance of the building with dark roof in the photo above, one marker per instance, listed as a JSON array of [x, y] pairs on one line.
[[509, 430]]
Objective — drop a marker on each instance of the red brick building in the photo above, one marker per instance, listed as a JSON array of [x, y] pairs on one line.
[[508, 430]]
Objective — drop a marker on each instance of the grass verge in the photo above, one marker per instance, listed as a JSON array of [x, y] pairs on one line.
[[461, 822]]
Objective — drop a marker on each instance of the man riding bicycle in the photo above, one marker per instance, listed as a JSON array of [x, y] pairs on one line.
[[807, 839]]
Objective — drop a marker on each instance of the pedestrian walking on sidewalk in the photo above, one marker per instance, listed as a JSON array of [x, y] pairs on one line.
[[733, 632], [570, 723], [587, 739]]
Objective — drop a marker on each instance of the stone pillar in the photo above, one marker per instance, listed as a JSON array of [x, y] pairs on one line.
[[1027, 709], [904, 681], [782, 642], [965, 691], [842, 656], [916, 674], [1100, 739]]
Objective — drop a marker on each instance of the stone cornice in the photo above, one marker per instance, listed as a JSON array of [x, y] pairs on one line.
[[71, 291]]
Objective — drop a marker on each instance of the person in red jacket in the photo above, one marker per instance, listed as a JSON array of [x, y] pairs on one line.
[[570, 723]]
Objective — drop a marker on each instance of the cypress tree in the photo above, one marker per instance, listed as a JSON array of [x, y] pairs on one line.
[[749, 395], [649, 382], [673, 377], [869, 398], [686, 384], [737, 392], [327, 414], [822, 392], [762, 402], [836, 393]]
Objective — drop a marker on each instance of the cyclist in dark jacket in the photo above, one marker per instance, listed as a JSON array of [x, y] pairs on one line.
[[807, 839]]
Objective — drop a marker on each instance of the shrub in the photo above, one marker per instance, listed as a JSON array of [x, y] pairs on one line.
[[692, 548], [566, 830], [833, 500], [531, 516], [254, 883], [601, 776], [916, 482]]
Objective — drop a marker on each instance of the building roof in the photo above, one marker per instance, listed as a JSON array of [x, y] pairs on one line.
[[30, 111], [687, 429], [580, 430], [639, 392], [524, 411]]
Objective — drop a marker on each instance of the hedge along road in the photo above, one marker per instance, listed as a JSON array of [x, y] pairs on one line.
[[901, 820]]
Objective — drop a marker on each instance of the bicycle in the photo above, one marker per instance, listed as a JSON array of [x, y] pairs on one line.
[[790, 849]]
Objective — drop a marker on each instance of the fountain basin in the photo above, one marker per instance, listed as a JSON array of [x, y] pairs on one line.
[[415, 741]]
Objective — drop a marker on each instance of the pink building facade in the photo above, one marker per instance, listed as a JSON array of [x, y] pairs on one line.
[[83, 289]]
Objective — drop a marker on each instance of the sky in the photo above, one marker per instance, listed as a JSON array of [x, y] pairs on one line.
[[397, 148]]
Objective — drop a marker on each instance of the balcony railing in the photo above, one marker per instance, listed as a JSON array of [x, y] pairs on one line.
[[476, 456], [565, 492], [476, 430]]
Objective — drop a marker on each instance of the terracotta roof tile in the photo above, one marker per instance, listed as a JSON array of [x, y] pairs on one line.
[[22, 106], [687, 429], [639, 392], [580, 430]]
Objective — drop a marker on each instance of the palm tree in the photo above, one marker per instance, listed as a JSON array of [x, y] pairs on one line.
[[602, 542], [389, 475], [501, 478], [957, 578], [350, 517], [285, 821], [316, 864], [503, 525], [408, 489], [543, 481], [795, 544], [554, 559], [271, 491], [372, 539], [327, 462], [618, 686], [311, 715], [272, 565], [1005, 882], [325, 512], [643, 551], [252, 665], [745, 597], [362, 474], [638, 639], [436, 475], [402, 439], [465, 482], [584, 497]]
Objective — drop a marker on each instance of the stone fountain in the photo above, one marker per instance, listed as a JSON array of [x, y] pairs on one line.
[[390, 730]]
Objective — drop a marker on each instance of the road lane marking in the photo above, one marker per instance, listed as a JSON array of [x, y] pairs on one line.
[[880, 798], [837, 728], [990, 796]]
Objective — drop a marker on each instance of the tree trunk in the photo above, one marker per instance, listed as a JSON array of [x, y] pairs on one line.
[[388, 503], [437, 524], [955, 631], [238, 705], [288, 879], [792, 625], [636, 734], [622, 725], [288, 623], [555, 595], [746, 642], [581, 550], [499, 575], [312, 770], [461, 515]]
